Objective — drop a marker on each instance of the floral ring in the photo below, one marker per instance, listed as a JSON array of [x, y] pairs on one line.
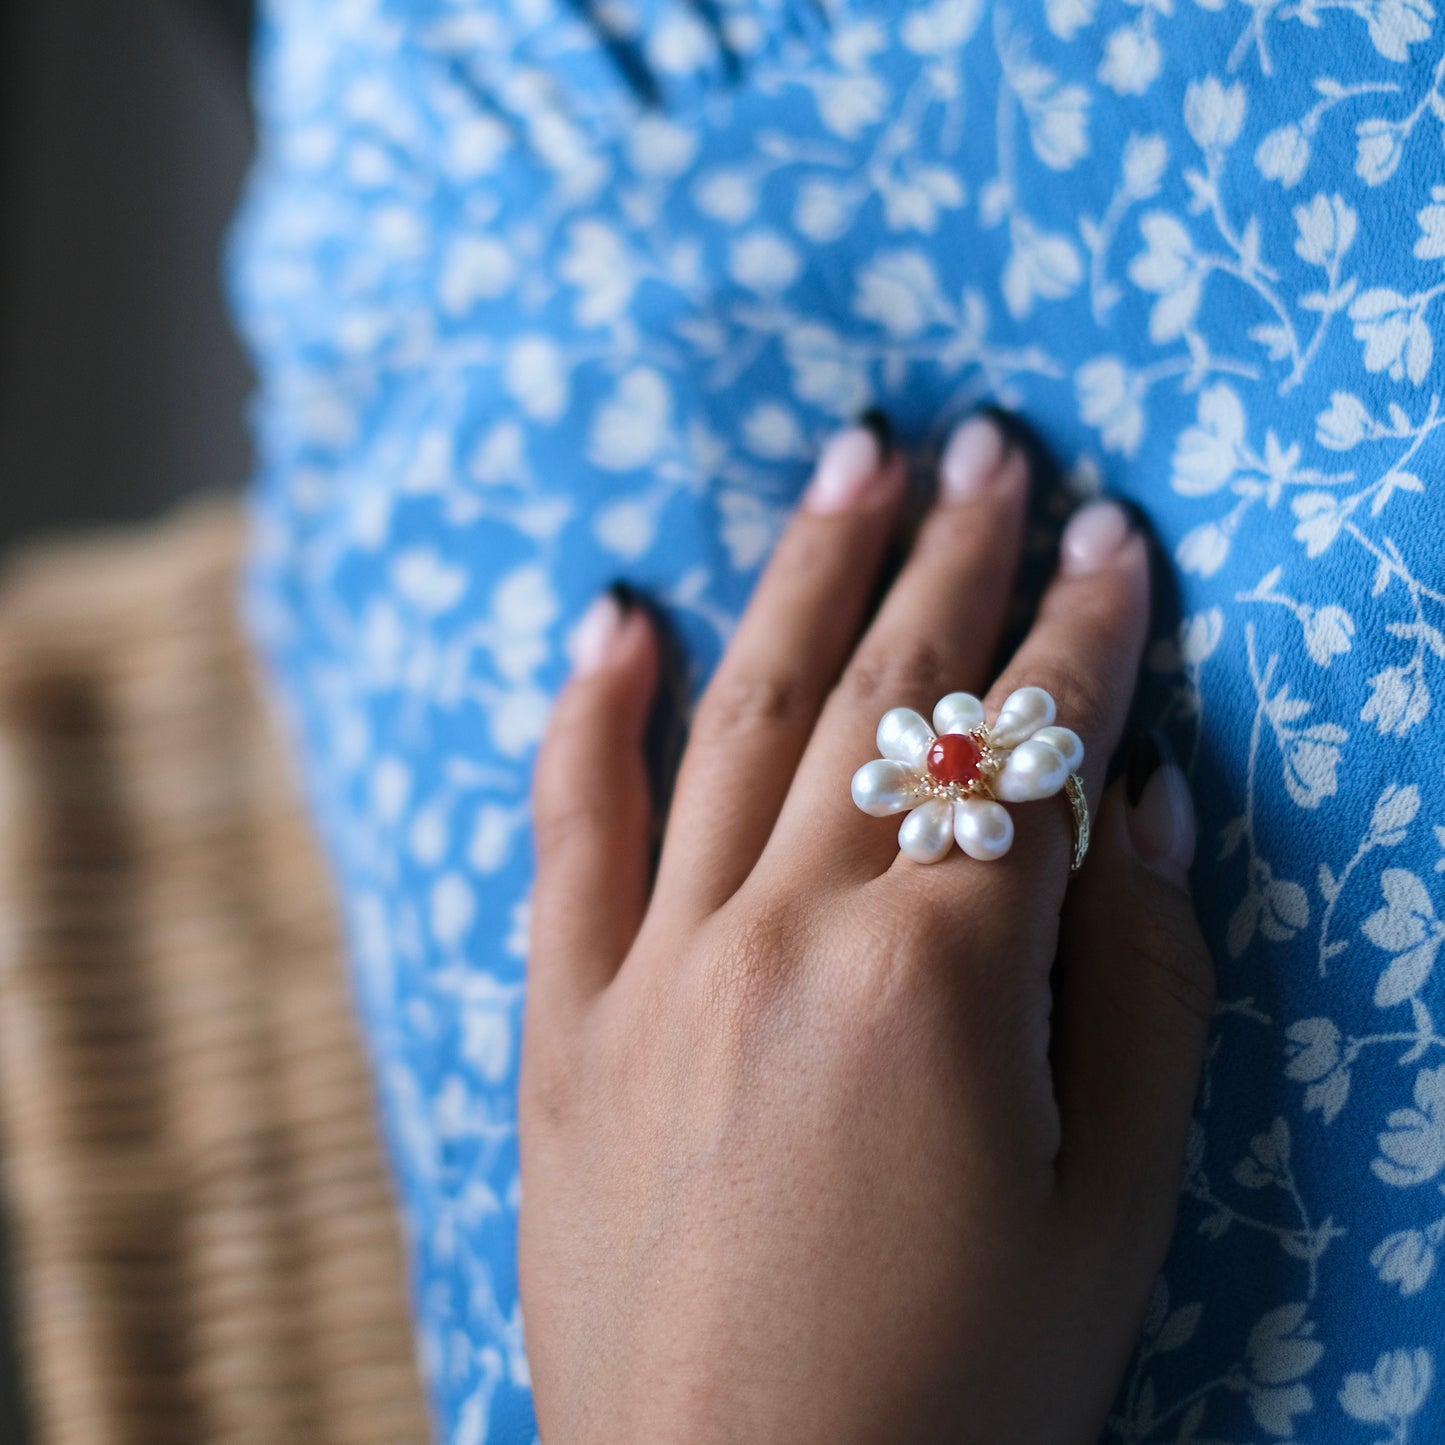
[[953, 778]]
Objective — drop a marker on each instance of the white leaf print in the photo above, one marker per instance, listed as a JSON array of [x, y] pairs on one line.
[[1399, 700], [427, 582], [750, 528], [1326, 230], [764, 262], [899, 290], [1111, 398], [1394, 332], [1413, 1146], [1206, 455], [602, 269], [629, 430], [1344, 424], [822, 212], [1214, 113], [1283, 156], [453, 907], [537, 377], [1146, 158], [941, 27], [1431, 245], [823, 371], [1041, 265], [477, 268], [1311, 760], [849, 104], [626, 528], [1203, 550], [1057, 114], [1392, 1392], [1312, 1049], [1327, 631], [1132, 61], [1379, 147], [1396, 25], [1169, 268], [1406, 1260], [1200, 635], [728, 194], [1067, 17], [1406, 927], [772, 430], [657, 146], [1395, 811]]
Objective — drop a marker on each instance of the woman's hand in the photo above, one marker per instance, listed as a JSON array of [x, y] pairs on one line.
[[819, 1144]]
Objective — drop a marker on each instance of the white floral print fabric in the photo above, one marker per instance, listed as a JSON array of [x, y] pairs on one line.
[[545, 293]]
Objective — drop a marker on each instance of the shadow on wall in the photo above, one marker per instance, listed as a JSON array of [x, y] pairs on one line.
[[124, 136]]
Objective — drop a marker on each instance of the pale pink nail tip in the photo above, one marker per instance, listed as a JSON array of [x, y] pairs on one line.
[[1092, 537], [593, 640], [970, 460], [849, 463], [1163, 826]]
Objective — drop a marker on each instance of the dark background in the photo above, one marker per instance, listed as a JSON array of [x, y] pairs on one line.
[[124, 136]]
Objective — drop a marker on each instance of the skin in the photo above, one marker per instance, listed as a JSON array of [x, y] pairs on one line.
[[819, 1144]]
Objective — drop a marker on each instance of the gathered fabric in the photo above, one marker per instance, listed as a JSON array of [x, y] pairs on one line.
[[543, 294]]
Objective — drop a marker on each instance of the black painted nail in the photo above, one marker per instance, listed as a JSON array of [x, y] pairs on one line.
[[877, 422], [1150, 753], [624, 596]]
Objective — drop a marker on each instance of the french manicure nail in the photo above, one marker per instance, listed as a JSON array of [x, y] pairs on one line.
[[971, 459], [850, 463], [1094, 534], [1161, 811], [596, 634]]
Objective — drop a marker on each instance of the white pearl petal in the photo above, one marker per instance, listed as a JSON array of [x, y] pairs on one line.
[[905, 736], [1023, 713], [983, 828], [1034, 770], [1069, 744], [885, 786], [927, 832], [959, 712]]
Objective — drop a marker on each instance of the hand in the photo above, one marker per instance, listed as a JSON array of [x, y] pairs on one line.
[[818, 1143]]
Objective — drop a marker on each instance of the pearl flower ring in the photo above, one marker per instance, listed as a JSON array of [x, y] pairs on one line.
[[953, 778]]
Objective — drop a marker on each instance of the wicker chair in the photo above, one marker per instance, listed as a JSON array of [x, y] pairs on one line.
[[205, 1245]]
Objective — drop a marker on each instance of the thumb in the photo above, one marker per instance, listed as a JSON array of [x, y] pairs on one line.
[[1136, 997]]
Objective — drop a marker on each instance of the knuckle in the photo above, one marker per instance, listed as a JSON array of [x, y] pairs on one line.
[[564, 819], [1087, 702], [741, 702], [1175, 959], [547, 1091], [746, 970], [899, 671]]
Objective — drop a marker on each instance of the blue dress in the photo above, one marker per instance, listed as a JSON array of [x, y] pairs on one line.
[[548, 292]]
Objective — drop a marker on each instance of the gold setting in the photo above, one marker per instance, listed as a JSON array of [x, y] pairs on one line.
[[989, 764], [1074, 792]]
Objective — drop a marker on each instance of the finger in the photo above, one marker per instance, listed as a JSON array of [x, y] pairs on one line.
[[1136, 996], [762, 704], [1084, 650], [592, 811], [935, 633]]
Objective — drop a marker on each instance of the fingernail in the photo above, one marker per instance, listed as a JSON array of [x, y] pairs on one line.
[[598, 631], [876, 420], [850, 463], [1161, 811], [971, 459], [1094, 535]]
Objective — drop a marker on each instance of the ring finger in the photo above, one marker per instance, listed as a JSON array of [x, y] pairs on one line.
[[936, 632]]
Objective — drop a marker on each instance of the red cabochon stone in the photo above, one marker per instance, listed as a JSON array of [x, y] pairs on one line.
[[954, 758]]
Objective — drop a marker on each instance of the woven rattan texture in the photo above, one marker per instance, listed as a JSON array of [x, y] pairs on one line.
[[206, 1247]]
